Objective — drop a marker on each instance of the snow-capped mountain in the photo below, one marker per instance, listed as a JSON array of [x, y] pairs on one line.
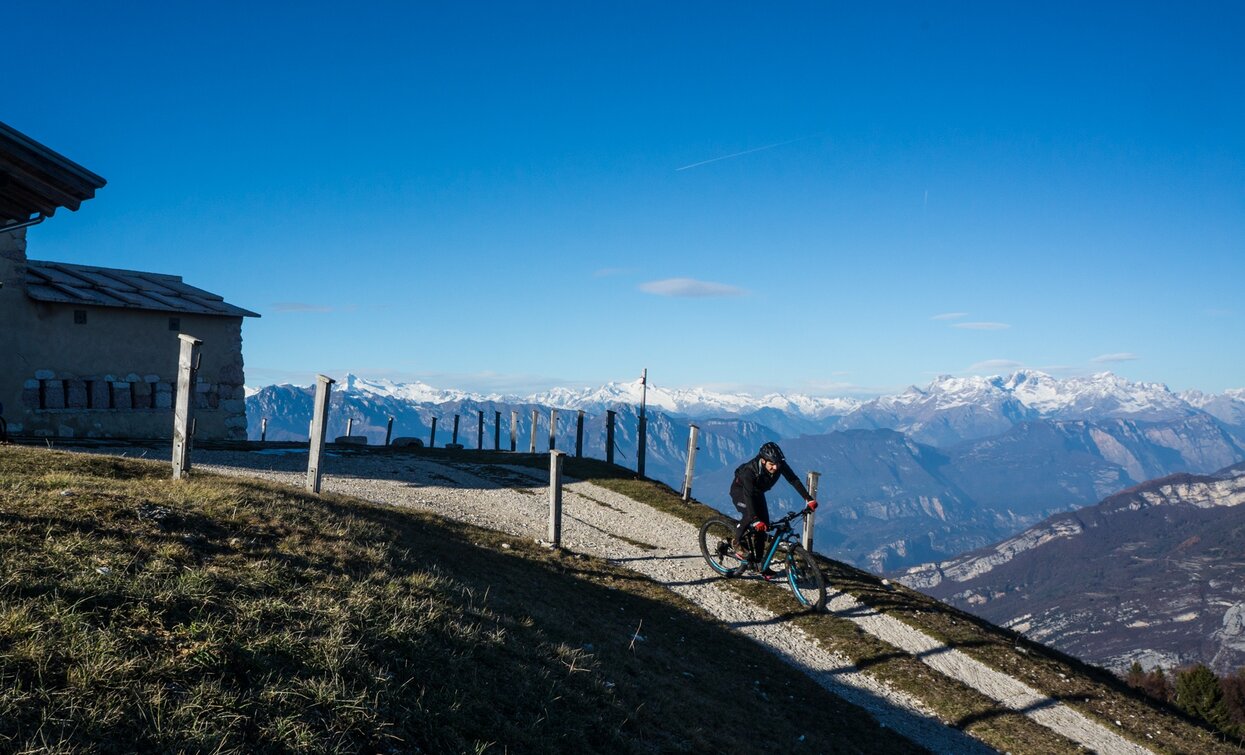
[[416, 392], [697, 402], [693, 402], [918, 476], [1096, 397], [948, 409], [1228, 406], [954, 409]]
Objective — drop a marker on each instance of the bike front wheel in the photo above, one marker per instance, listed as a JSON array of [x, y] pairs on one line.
[[806, 579], [716, 536]]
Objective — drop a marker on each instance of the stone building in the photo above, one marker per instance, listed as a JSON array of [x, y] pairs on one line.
[[91, 352]]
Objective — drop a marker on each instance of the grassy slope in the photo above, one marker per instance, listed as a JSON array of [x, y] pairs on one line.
[[137, 613]]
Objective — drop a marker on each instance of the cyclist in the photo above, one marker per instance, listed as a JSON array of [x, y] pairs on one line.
[[752, 479]]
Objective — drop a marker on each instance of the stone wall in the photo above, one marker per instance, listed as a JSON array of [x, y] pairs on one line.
[[109, 372]]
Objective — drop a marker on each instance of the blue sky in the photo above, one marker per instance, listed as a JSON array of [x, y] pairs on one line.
[[824, 198]]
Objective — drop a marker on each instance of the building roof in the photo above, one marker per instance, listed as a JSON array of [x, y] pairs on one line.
[[63, 283], [34, 179]]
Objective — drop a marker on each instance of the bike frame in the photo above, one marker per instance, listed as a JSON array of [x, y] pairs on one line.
[[783, 533]]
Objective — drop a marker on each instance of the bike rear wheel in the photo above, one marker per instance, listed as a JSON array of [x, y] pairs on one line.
[[806, 579], [716, 536]]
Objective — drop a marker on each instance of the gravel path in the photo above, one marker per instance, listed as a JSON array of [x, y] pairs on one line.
[[603, 523]]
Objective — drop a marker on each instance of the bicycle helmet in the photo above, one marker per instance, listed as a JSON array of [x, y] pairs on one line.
[[771, 452]]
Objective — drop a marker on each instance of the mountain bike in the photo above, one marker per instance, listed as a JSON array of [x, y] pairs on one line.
[[784, 552]]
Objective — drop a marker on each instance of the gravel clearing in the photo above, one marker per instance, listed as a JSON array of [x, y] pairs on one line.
[[606, 524]]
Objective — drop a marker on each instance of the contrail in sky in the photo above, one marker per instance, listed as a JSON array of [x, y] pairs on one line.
[[745, 152]]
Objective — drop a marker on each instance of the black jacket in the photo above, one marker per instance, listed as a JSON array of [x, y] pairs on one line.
[[751, 479]]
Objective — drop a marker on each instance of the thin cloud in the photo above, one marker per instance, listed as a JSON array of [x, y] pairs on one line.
[[690, 288], [745, 152], [981, 325], [996, 365], [1122, 356], [949, 316], [298, 306]]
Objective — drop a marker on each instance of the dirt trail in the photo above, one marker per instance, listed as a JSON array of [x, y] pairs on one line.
[[603, 523]]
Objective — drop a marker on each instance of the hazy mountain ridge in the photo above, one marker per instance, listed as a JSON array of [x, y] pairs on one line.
[[1153, 574], [994, 466]]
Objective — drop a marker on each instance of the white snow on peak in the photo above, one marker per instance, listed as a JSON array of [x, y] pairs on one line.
[[947, 392], [1103, 391], [692, 400], [697, 401], [417, 391], [1202, 400], [1103, 394]]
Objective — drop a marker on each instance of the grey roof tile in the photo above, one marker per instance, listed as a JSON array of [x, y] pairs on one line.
[[108, 287]]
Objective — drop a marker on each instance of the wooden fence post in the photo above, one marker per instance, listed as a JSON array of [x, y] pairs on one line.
[[555, 498], [183, 412], [319, 425], [609, 436], [691, 462], [532, 450], [263, 430], [807, 539], [480, 432], [579, 435], [553, 428], [454, 441], [432, 439], [496, 430], [389, 431], [349, 426], [514, 430]]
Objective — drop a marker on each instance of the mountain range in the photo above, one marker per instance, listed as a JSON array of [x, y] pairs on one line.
[[918, 476], [1154, 574]]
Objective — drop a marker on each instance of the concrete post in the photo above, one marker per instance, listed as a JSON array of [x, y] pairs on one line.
[[514, 430], [609, 436], [579, 435], [807, 539], [641, 442], [454, 438], [263, 430], [432, 439], [691, 462], [496, 431], [183, 412], [532, 450], [553, 428], [389, 431], [642, 426], [480, 433], [319, 426], [555, 497]]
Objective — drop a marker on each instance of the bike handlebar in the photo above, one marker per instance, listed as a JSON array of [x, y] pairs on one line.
[[786, 519]]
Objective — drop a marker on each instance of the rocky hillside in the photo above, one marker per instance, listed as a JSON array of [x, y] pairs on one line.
[[1154, 574]]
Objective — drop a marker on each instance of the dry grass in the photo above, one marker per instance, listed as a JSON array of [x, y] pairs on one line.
[[221, 615]]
